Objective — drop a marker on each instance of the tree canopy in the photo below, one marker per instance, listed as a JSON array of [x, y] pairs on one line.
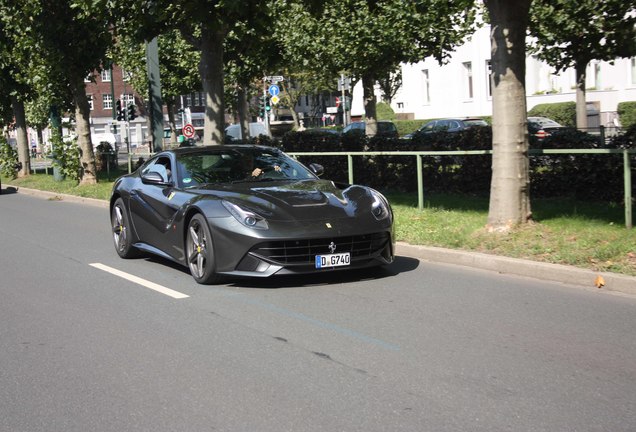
[[570, 34], [369, 38]]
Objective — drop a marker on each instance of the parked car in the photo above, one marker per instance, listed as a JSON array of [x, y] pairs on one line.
[[450, 125], [248, 210], [542, 127], [233, 132], [385, 129], [322, 130]]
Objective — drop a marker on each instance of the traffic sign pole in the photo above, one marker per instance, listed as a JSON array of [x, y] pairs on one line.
[[265, 113], [344, 103]]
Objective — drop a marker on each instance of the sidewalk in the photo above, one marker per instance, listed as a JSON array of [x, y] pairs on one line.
[[513, 266]]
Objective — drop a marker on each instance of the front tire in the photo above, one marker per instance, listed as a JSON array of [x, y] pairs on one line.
[[122, 234], [200, 251]]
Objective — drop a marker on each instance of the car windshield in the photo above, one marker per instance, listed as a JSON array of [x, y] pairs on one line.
[[386, 127], [544, 122], [231, 165]]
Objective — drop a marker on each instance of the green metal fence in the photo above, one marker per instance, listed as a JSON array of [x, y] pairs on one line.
[[419, 155]]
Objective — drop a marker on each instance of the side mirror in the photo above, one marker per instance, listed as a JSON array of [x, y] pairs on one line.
[[154, 178], [317, 169]]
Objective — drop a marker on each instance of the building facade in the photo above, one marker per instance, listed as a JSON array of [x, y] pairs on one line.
[[462, 88]]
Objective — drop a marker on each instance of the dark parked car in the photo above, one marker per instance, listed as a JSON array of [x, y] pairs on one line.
[[385, 129], [542, 127], [248, 211], [448, 125]]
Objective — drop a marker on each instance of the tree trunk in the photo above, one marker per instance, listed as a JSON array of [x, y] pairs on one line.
[[510, 184], [243, 112], [40, 140], [83, 130], [581, 105], [368, 84], [211, 70], [170, 103], [22, 141]]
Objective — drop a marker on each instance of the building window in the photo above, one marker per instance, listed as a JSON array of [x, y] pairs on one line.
[[89, 78], [188, 102], [126, 76], [426, 87], [489, 77], [128, 99], [90, 101], [468, 79], [106, 75], [107, 101], [597, 75]]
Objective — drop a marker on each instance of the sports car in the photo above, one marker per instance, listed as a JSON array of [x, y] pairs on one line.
[[248, 210]]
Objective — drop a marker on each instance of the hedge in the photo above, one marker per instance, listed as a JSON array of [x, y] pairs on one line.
[[584, 177], [562, 112]]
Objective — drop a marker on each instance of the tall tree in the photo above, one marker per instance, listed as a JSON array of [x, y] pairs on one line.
[[251, 53], [55, 52], [370, 38], [177, 66], [71, 56], [15, 79], [510, 184], [203, 23], [573, 33]]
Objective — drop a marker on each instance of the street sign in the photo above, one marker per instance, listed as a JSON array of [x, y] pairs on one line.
[[274, 90], [188, 131], [344, 83], [332, 110], [337, 102], [275, 78], [275, 99]]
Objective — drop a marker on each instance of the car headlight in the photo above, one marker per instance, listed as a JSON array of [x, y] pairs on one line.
[[379, 206], [246, 217]]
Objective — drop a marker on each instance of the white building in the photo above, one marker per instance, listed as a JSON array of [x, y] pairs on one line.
[[461, 87]]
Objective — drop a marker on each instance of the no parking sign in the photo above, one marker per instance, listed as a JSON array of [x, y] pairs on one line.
[[188, 131]]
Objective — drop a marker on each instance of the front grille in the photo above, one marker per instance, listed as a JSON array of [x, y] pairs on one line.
[[300, 252]]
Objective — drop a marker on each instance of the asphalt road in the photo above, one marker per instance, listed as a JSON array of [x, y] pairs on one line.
[[415, 347]]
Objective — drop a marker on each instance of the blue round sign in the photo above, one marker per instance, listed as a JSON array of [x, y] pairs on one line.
[[274, 90]]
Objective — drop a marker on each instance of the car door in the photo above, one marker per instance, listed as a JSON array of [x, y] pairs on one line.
[[153, 206]]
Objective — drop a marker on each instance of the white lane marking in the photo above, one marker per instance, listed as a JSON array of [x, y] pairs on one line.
[[140, 281]]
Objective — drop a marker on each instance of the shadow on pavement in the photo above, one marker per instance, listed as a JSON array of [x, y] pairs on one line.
[[400, 265], [8, 191]]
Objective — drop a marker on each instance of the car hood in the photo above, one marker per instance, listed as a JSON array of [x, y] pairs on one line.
[[296, 200]]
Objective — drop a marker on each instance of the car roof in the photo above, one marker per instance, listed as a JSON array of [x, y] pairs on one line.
[[544, 121], [217, 148]]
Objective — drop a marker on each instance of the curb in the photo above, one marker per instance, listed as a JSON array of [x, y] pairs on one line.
[[54, 196], [514, 266]]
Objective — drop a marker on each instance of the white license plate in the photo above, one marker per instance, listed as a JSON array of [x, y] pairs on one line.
[[333, 260]]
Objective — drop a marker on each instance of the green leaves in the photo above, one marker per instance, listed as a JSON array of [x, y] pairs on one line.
[[567, 32]]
